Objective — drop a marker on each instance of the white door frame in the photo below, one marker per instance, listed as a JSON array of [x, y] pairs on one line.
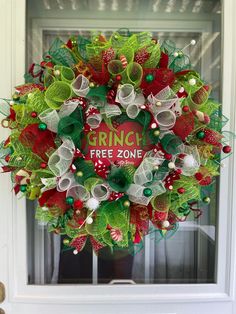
[[23, 298]]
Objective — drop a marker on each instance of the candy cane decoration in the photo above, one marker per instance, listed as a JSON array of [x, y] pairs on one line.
[[123, 61]]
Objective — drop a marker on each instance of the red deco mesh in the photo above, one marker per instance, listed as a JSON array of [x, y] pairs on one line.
[[139, 217], [39, 141], [162, 77], [184, 125]]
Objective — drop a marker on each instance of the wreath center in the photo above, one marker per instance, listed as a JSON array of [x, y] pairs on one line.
[[122, 145]]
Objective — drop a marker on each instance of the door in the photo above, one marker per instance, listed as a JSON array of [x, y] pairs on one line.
[[191, 272]]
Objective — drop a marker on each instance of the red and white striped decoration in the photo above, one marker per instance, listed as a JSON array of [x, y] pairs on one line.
[[116, 235], [123, 61]]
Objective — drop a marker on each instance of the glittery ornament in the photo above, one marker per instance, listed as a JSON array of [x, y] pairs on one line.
[[141, 56]]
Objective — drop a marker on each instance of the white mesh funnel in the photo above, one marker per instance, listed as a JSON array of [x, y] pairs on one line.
[[80, 85]]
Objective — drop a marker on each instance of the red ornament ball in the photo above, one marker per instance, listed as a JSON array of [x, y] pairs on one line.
[[73, 168], [78, 204], [198, 176], [168, 156], [43, 165], [185, 108], [7, 158], [118, 77], [34, 114], [181, 190], [227, 149], [178, 171]]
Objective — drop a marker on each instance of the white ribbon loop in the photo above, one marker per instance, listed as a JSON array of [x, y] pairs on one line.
[[66, 150], [125, 95], [166, 119], [166, 98], [78, 191], [49, 183], [144, 173], [94, 120], [80, 85], [101, 192], [68, 107], [129, 100], [136, 192], [110, 110], [61, 159], [51, 118], [65, 182], [165, 107]]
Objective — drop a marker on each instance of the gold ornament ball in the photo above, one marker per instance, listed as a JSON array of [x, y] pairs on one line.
[[66, 241], [79, 174], [127, 203], [156, 133], [207, 200]]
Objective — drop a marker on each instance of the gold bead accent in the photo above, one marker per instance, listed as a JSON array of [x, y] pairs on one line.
[[66, 241], [79, 174], [127, 203], [156, 133]]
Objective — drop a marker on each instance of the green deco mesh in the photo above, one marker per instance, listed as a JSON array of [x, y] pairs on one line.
[[60, 54]]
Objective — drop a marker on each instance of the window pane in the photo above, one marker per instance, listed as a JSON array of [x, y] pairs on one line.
[[189, 255]]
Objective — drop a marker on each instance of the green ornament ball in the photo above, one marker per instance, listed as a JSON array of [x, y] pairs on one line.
[[69, 200], [149, 78], [200, 135], [206, 200], [42, 126], [23, 188], [147, 192]]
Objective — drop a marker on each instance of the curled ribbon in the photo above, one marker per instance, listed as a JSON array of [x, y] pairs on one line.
[[49, 183], [52, 117], [101, 192], [165, 106], [72, 126], [130, 100], [57, 93], [94, 120], [110, 110], [80, 85], [61, 159], [144, 173], [136, 192], [131, 74], [64, 73], [78, 191]]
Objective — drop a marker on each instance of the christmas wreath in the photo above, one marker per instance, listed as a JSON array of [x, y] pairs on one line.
[[115, 137]]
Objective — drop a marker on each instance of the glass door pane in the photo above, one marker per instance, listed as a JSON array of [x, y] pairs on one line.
[[188, 255]]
